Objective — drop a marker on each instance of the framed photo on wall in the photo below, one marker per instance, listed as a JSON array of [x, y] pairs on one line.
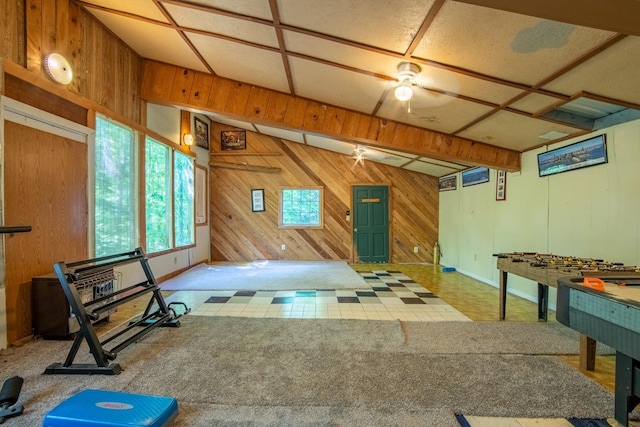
[[202, 133], [501, 185], [475, 176], [257, 200], [448, 183], [233, 140], [590, 152]]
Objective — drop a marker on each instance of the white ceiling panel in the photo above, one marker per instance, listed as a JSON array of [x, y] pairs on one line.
[[153, 42], [525, 49], [340, 53], [463, 84], [219, 24], [281, 133], [331, 144], [429, 169], [255, 8], [384, 157], [241, 62], [355, 20], [336, 86], [234, 123], [607, 74], [506, 129], [534, 102], [435, 111], [443, 163]]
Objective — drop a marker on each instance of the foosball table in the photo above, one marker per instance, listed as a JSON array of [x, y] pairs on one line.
[[546, 270]]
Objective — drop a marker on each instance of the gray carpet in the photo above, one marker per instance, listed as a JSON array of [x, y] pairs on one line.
[[263, 372], [267, 276]]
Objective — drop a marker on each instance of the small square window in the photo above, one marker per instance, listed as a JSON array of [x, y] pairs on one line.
[[301, 207]]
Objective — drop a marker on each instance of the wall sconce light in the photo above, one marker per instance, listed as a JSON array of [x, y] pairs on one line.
[[187, 139], [58, 68]]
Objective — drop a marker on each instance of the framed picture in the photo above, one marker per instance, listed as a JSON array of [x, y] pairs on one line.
[[202, 133], [201, 195], [448, 183], [257, 200], [590, 152], [475, 176], [501, 185], [233, 140]]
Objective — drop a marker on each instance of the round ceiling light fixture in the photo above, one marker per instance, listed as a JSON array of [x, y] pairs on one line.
[[407, 72], [404, 92], [58, 68]]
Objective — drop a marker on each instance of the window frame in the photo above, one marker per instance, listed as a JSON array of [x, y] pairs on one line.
[[320, 224], [135, 167], [140, 136]]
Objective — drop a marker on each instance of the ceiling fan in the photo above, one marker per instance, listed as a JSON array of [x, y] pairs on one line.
[[407, 79]]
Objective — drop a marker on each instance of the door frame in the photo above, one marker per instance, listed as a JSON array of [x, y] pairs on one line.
[[389, 220]]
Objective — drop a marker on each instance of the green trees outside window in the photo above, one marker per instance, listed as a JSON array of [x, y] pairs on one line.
[[157, 163], [301, 207], [115, 201], [168, 193], [183, 177]]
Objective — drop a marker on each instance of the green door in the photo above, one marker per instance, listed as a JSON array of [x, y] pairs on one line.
[[371, 223]]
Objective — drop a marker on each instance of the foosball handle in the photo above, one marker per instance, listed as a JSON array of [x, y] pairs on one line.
[[594, 283], [9, 396]]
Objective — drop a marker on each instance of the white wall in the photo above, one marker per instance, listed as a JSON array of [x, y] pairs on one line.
[[592, 212]]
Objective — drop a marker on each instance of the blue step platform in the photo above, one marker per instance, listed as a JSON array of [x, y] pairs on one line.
[[100, 408]]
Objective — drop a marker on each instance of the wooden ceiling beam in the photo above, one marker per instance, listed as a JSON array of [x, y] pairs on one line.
[[171, 85]]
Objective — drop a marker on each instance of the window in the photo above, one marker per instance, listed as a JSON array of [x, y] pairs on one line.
[[168, 193], [183, 177], [115, 189], [301, 207], [157, 162]]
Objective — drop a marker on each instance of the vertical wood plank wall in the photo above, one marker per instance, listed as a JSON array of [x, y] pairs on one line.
[[107, 74], [106, 70], [238, 234], [45, 180]]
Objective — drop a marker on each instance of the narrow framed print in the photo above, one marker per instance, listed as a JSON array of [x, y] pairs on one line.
[[501, 185], [257, 200], [202, 133]]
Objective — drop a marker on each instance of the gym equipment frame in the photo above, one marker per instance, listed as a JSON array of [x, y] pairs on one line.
[[98, 273]]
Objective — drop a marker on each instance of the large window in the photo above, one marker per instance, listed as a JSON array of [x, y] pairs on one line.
[[115, 188], [157, 163], [301, 207], [168, 193], [183, 177]]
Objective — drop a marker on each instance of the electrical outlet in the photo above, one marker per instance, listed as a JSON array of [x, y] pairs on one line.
[[175, 260], [415, 249], [283, 247]]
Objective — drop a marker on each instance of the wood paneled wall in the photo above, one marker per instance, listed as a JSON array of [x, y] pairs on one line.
[[45, 180], [106, 70], [238, 234]]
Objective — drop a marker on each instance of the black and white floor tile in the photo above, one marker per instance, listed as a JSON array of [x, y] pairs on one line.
[[390, 295]]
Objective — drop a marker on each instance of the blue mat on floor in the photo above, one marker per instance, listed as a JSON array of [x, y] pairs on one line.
[[576, 422]]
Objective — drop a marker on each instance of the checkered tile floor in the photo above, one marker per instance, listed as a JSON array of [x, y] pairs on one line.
[[391, 295]]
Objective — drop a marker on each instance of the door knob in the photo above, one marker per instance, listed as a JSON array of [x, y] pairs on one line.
[[355, 230]]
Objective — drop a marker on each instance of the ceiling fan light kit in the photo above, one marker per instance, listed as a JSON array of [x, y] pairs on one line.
[[404, 92], [407, 72]]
